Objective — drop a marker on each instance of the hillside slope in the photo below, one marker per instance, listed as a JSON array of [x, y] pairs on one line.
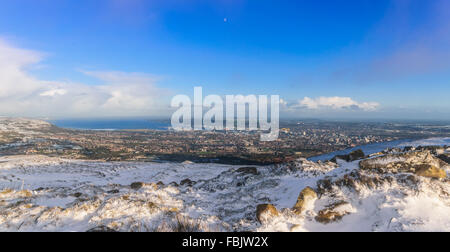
[[407, 191]]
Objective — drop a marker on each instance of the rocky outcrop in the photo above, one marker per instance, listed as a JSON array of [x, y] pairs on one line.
[[306, 166], [77, 195], [306, 198], [265, 212], [136, 185], [295, 228], [435, 150], [430, 171], [356, 155], [22, 193], [355, 181], [353, 156], [334, 212], [248, 170], [421, 163], [187, 182], [101, 229]]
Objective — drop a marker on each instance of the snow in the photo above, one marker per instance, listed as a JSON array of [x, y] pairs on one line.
[[427, 142], [39, 193]]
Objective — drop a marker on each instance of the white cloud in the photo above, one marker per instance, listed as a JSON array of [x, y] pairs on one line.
[[13, 81], [336, 103], [120, 94], [54, 92]]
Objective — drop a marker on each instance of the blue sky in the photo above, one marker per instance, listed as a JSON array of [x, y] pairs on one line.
[[390, 58]]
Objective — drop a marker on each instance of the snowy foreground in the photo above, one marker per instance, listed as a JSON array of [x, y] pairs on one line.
[[39, 193]]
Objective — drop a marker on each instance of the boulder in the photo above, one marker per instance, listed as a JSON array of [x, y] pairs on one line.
[[264, 212], [430, 171], [7, 191], [356, 155], [77, 194], [173, 183], [26, 193], [137, 185], [324, 185], [334, 212], [306, 198], [187, 182], [248, 170], [296, 228], [353, 156], [101, 229]]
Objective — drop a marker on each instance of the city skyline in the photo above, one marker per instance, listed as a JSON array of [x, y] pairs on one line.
[[115, 58]]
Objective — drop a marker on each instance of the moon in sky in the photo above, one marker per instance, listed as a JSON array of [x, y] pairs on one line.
[[225, 20]]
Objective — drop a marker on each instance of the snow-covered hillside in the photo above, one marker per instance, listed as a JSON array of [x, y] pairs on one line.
[[39, 193], [22, 125]]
